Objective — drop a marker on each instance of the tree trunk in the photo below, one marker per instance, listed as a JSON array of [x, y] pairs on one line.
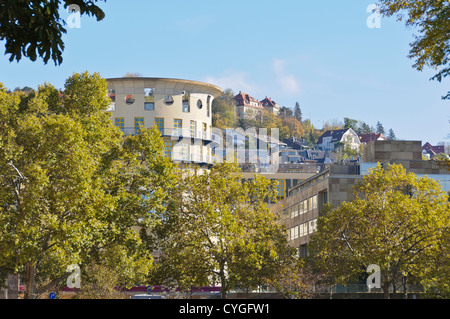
[[223, 289], [405, 293], [385, 288], [30, 274]]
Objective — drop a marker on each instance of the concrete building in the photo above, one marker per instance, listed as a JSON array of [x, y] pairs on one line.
[[335, 184], [180, 109]]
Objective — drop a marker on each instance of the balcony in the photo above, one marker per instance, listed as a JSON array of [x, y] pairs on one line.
[[177, 134]]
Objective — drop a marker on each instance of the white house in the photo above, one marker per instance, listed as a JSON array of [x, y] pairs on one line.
[[328, 140]]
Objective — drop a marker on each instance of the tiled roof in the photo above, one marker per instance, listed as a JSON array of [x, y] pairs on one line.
[[336, 135], [370, 137], [245, 99], [268, 102], [433, 149]]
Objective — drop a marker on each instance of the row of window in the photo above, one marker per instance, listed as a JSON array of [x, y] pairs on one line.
[[149, 102], [303, 207], [302, 230], [187, 152], [159, 122]]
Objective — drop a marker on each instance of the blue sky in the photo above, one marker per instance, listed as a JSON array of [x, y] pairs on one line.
[[319, 53]]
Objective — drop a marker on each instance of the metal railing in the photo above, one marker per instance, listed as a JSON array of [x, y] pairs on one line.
[[175, 133]]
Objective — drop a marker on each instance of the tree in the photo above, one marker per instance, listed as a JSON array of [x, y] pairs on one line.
[[291, 127], [285, 112], [397, 221], [351, 123], [391, 135], [223, 110], [431, 47], [380, 128], [71, 186], [221, 231], [364, 128], [298, 112], [35, 28]]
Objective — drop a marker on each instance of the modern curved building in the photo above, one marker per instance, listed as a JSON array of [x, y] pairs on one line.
[[180, 109]]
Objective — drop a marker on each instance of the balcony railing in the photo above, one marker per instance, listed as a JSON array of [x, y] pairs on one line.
[[176, 133]]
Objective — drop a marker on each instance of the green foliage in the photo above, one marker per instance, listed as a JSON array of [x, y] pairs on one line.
[[34, 28], [222, 231], [71, 186], [397, 221], [431, 46]]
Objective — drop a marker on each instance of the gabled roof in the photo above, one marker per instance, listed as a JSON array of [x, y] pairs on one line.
[[336, 135], [267, 102], [433, 149], [245, 99]]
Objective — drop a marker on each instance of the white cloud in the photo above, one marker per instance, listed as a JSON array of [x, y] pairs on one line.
[[287, 82], [234, 80]]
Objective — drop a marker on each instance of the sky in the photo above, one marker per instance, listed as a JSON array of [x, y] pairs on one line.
[[321, 54]]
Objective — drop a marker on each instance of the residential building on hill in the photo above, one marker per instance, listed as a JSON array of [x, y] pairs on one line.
[[431, 151], [247, 106], [328, 140], [270, 105]]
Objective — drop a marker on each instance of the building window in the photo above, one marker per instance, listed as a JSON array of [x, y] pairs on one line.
[[138, 124], [177, 125], [185, 152], [185, 103], [193, 128], [314, 202], [149, 106], [129, 99], [312, 226], [168, 100], [303, 229], [199, 104], [303, 207], [281, 188], [149, 99], [294, 211], [120, 123], [186, 107], [293, 233], [208, 106], [159, 122], [205, 128], [168, 149]]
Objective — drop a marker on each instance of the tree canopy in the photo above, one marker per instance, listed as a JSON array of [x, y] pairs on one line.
[[397, 221], [72, 187], [34, 28], [431, 47], [221, 231]]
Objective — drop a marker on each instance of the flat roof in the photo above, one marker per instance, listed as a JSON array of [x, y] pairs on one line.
[[187, 84]]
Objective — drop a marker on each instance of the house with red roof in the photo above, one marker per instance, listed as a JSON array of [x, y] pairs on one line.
[[370, 137], [247, 106]]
